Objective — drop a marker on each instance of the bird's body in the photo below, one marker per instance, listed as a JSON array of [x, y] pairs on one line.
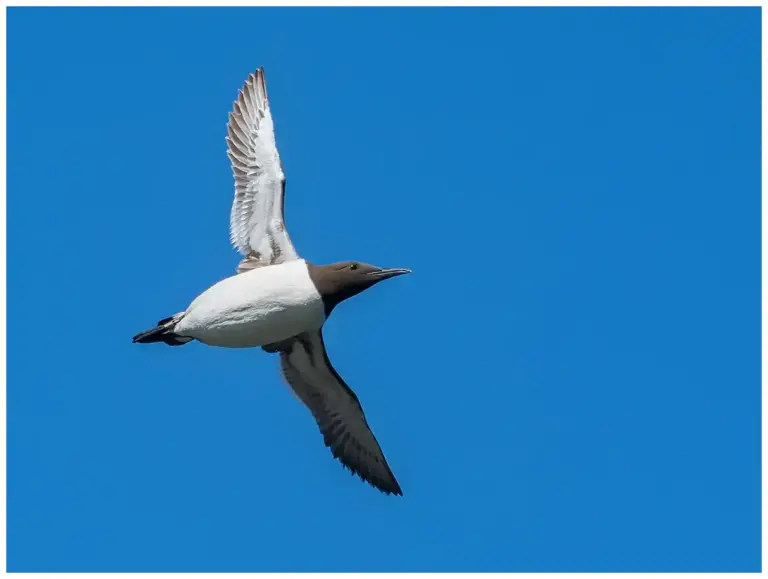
[[279, 301], [255, 308]]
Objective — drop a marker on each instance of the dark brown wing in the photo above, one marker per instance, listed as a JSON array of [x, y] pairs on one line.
[[308, 371]]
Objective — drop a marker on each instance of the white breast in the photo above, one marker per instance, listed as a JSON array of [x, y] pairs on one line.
[[258, 307]]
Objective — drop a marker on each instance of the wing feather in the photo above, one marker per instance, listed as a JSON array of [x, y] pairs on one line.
[[257, 224], [305, 366]]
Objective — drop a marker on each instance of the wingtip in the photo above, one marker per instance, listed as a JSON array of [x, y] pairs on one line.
[[388, 487], [396, 490], [263, 80], [257, 80]]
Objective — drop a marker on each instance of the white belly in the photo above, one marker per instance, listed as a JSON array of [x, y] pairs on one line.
[[255, 308]]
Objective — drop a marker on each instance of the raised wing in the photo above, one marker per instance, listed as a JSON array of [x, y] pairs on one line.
[[256, 224], [307, 369]]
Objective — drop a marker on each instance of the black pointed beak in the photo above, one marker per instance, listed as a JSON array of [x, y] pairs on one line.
[[389, 272]]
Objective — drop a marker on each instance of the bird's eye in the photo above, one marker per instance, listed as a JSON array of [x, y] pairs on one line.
[[353, 266]]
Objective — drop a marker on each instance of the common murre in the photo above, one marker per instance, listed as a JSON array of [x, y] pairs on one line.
[[279, 301]]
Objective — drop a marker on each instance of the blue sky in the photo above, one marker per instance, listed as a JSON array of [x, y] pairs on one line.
[[569, 381]]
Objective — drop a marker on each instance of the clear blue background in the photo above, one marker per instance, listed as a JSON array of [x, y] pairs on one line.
[[569, 381]]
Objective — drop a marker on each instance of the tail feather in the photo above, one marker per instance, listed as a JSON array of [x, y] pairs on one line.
[[163, 332]]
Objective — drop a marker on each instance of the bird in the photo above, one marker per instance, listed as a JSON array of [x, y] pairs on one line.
[[278, 301]]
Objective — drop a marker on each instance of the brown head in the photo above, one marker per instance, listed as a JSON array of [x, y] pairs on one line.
[[338, 281]]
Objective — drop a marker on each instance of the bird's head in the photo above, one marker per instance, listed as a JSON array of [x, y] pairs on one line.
[[337, 282]]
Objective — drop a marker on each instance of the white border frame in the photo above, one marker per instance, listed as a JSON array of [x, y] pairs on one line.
[[436, 3]]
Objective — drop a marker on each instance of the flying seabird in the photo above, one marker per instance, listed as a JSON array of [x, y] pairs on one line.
[[279, 301]]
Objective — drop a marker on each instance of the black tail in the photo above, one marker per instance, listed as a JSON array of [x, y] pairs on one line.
[[163, 333]]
